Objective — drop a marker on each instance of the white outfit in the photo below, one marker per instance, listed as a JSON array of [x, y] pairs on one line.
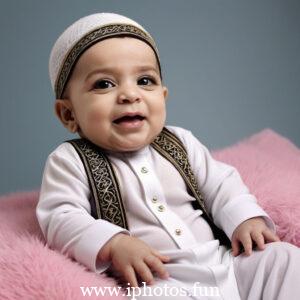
[[159, 211]]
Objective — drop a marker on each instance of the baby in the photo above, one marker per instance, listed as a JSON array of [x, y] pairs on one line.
[[142, 200]]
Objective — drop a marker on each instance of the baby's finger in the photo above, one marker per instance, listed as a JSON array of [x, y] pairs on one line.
[[144, 272], [270, 236], [247, 244], [164, 258], [235, 247], [129, 275], [258, 238], [156, 265]]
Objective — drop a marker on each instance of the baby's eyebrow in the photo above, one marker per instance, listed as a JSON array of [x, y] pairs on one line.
[[106, 70], [147, 68], [96, 71]]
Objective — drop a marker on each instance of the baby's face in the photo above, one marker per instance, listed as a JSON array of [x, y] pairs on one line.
[[116, 94]]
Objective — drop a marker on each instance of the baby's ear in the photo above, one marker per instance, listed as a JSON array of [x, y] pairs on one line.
[[166, 92], [64, 111]]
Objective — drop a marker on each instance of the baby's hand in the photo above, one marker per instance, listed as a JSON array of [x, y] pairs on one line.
[[252, 230], [131, 257]]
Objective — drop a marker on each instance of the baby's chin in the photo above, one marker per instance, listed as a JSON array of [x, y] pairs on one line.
[[126, 149], [119, 147], [130, 146], [119, 143]]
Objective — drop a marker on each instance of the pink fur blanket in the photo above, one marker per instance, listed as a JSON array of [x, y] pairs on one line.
[[268, 163]]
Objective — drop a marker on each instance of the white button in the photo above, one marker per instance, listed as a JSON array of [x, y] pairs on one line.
[[178, 231], [144, 170], [161, 208], [154, 199]]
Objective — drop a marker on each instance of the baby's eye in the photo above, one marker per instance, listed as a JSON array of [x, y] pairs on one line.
[[102, 84], [146, 81]]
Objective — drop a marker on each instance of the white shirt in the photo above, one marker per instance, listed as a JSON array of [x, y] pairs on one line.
[[158, 206]]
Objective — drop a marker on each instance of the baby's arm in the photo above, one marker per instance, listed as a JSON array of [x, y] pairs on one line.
[[64, 210], [226, 197], [130, 256], [251, 231]]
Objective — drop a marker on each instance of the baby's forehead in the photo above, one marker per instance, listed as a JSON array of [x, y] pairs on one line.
[[109, 47], [116, 54]]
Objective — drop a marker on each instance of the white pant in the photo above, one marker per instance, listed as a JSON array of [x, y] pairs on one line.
[[271, 274]]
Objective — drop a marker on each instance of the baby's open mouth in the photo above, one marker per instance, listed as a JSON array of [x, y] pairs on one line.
[[128, 119]]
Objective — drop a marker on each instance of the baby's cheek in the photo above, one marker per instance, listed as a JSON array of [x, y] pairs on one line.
[[93, 122], [160, 114], [95, 115]]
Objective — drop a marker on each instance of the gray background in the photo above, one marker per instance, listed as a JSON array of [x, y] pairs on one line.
[[232, 68]]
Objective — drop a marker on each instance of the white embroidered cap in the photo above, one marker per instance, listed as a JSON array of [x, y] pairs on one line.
[[84, 33]]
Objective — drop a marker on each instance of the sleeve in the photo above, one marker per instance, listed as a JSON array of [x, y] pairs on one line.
[[227, 198], [63, 211]]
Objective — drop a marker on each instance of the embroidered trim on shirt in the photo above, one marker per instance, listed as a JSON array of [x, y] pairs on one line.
[[169, 146], [106, 202], [91, 38]]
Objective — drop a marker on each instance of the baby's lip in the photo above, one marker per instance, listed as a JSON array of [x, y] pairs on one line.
[[125, 115]]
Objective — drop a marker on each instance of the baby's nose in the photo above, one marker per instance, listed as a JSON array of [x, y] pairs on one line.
[[128, 94]]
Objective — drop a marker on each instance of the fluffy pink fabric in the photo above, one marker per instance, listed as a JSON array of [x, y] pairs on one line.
[[28, 268], [268, 163], [270, 166]]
